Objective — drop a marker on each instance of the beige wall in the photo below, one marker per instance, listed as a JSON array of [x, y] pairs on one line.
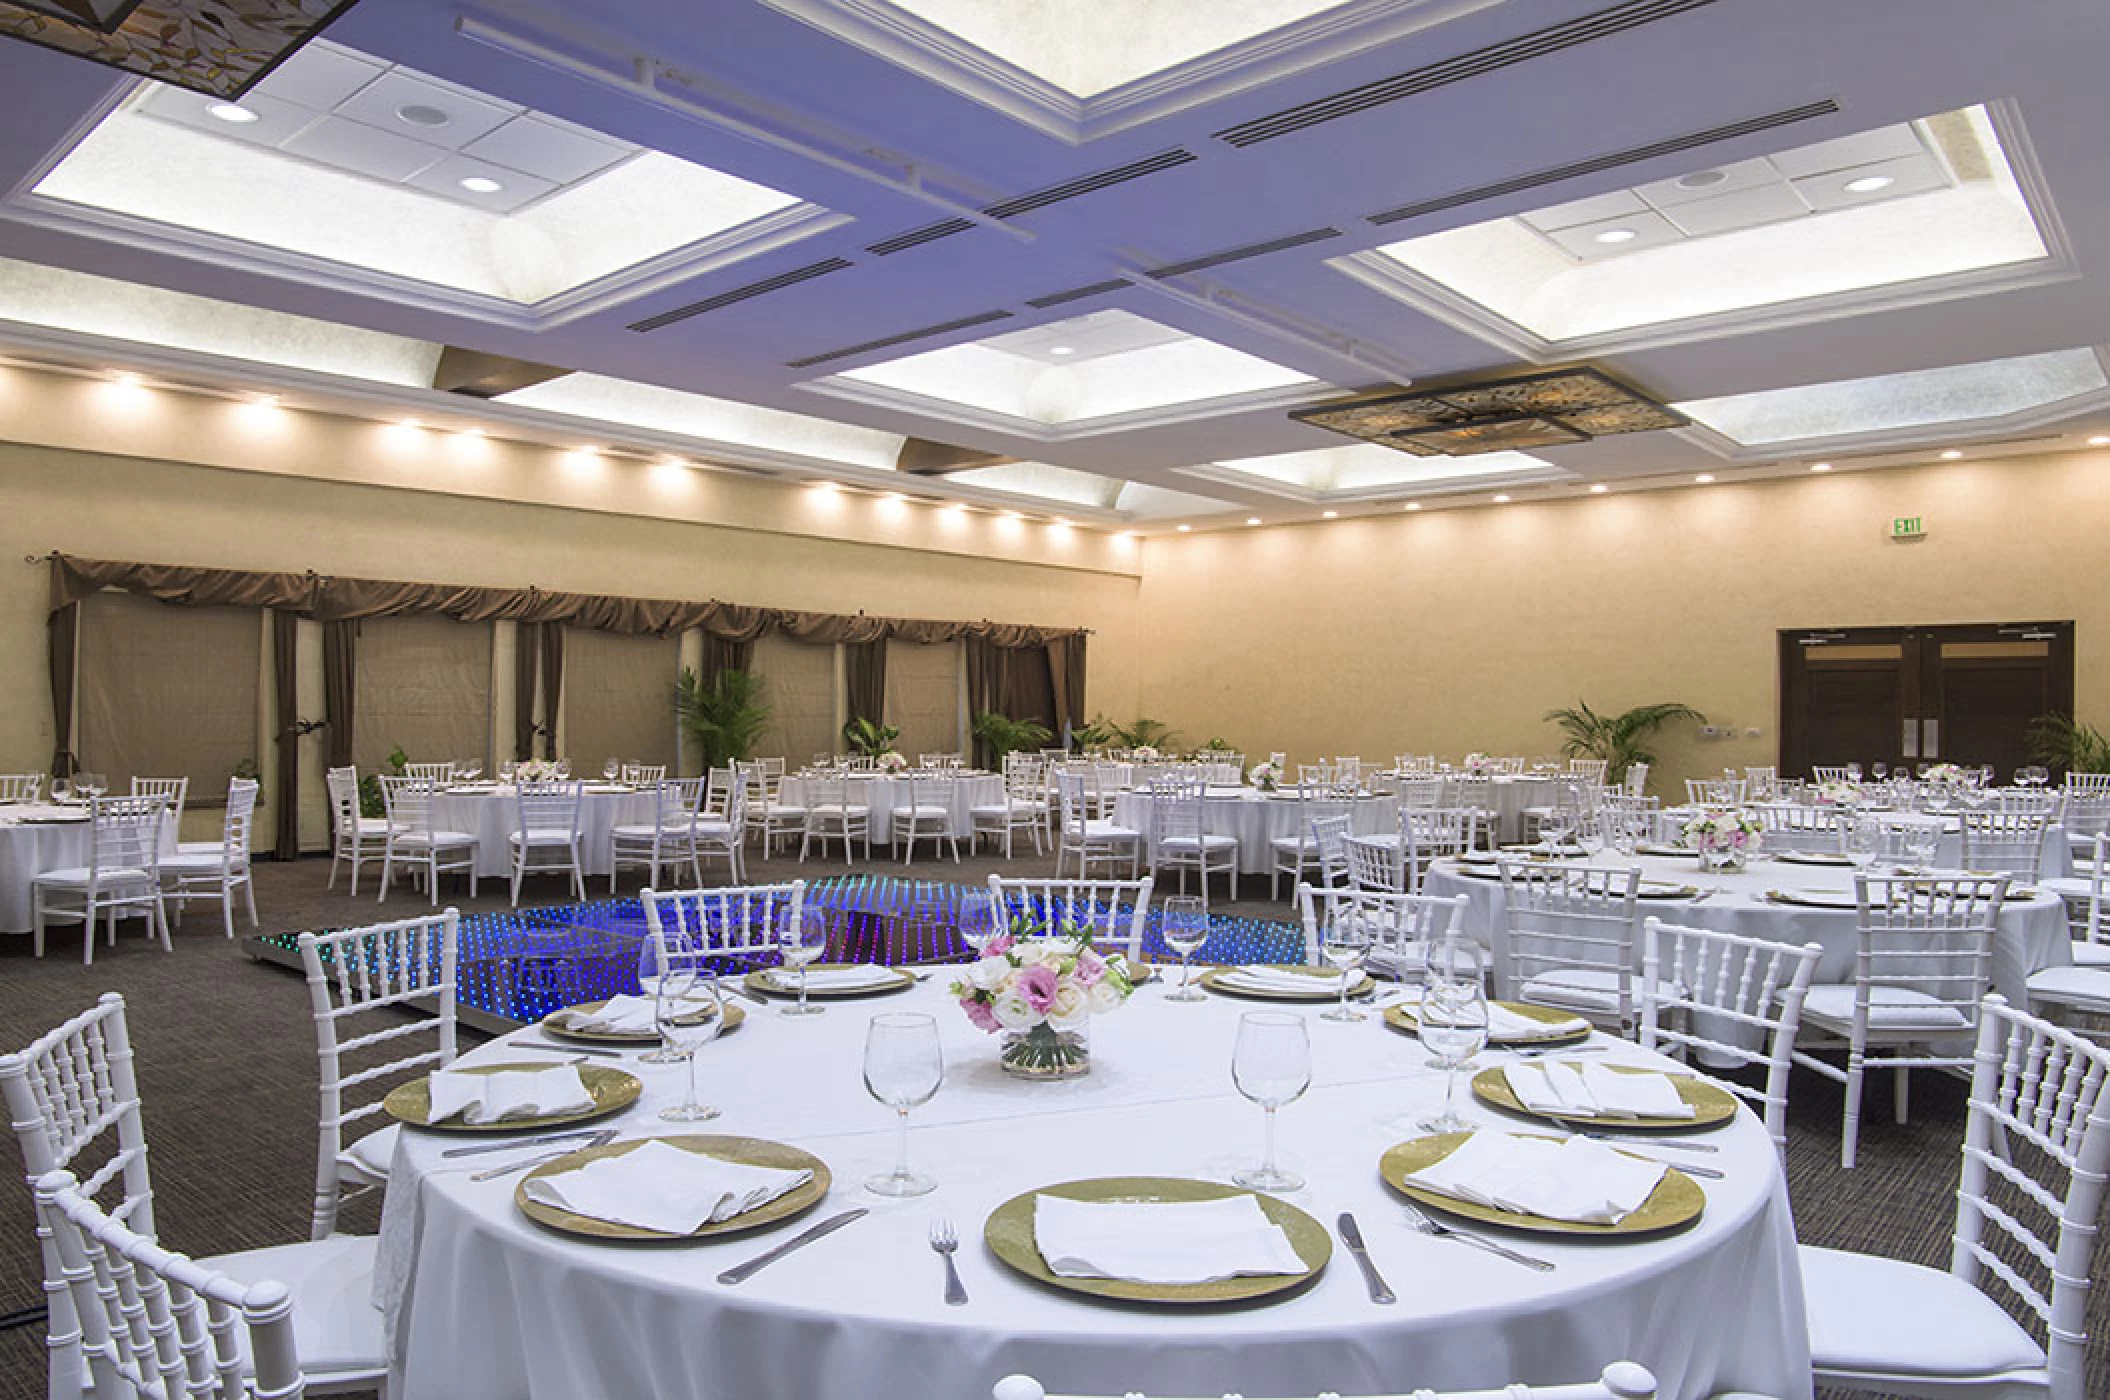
[[1457, 630]]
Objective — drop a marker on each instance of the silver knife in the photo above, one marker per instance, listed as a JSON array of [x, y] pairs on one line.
[[569, 1049], [1352, 1236], [741, 1272], [510, 1144]]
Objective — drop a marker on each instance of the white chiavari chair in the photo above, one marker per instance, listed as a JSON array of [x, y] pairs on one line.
[[414, 839], [769, 817], [2036, 1151], [21, 787], [1180, 839], [121, 879], [1789, 826], [1432, 834], [1714, 792], [1823, 774], [1330, 836], [353, 836], [1476, 792], [1024, 806], [1715, 992], [172, 793], [2007, 843], [1622, 1380], [669, 839], [1575, 799], [836, 810], [545, 835], [1401, 926], [641, 774], [1589, 767], [1092, 839], [2037, 802], [1923, 955], [1291, 854], [1377, 863], [430, 772], [1628, 818], [2083, 985], [1565, 939], [730, 928], [361, 982], [2084, 815], [214, 871], [1419, 791], [1762, 782], [719, 824], [1115, 911], [926, 815], [1314, 777], [1636, 780]]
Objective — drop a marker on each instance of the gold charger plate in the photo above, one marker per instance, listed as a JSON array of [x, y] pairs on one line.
[[1009, 1233], [1814, 899], [1657, 848], [1660, 889], [613, 1091], [1712, 1107], [1215, 980], [753, 1152], [1822, 858], [1402, 1018], [1677, 1200], [761, 981], [552, 1025]]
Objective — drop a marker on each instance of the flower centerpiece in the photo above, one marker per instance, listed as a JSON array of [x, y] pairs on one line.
[[1143, 753], [1478, 763], [890, 761], [537, 770], [1837, 792], [1943, 775], [1266, 776], [1724, 839], [1040, 994]]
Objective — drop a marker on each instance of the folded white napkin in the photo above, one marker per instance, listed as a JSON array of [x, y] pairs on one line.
[[517, 1093], [1595, 1091], [1161, 1241], [1504, 1025], [835, 978], [664, 1188], [1262, 977], [1575, 1179], [619, 1015]]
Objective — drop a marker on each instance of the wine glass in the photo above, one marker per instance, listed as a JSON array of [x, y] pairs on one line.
[[903, 1069], [654, 963], [1344, 942], [801, 941], [612, 767], [1881, 770], [61, 789], [1271, 1065], [1923, 844], [680, 996], [1864, 838], [1453, 1022], [1853, 772], [1184, 924], [90, 783], [978, 920], [505, 771], [564, 768], [1591, 835]]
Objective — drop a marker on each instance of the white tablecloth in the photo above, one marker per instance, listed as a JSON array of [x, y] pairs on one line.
[[490, 815], [883, 795], [1254, 819], [496, 1307], [2032, 933], [2055, 860]]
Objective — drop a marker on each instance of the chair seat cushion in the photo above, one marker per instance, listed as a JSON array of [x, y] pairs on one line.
[[368, 1158], [837, 809], [434, 838], [2091, 954], [1015, 808], [1101, 830], [1889, 1008], [375, 826], [1885, 1317], [200, 848], [1587, 988], [921, 813], [193, 863], [712, 826], [1197, 843], [78, 875], [778, 812], [336, 1327], [646, 833], [543, 836], [2073, 986]]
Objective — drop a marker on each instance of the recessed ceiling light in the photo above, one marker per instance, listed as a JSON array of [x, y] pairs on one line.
[[410, 423], [422, 114], [1499, 500], [1869, 184], [1599, 489], [825, 488], [1332, 515], [1820, 466], [480, 184], [1951, 455], [1184, 529], [265, 401], [2099, 440], [1060, 523], [673, 461], [1008, 514], [1062, 349], [1704, 479], [1129, 535], [229, 112], [1617, 235], [1252, 520], [1413, 505], [1701, 179]]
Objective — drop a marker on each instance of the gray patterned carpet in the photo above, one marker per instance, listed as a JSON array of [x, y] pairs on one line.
[[227, 1069]]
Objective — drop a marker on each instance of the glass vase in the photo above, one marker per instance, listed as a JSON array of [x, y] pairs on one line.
[[1723, 860], [1042, 1052]]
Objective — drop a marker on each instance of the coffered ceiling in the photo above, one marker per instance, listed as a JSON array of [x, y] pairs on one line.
[[1107, 248]]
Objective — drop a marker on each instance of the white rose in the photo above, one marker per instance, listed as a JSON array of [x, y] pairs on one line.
[[1013, 1012], [1105, 997], [988, 974], [1071, 1008], [1039, 953]]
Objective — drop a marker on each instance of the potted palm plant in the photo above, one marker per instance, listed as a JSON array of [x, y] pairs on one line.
[[869, 737], [2063, 742], [1004, 735], [1617, 739], [722, 717]]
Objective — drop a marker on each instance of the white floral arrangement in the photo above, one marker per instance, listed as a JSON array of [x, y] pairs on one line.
[[1145, 753], [1943, 775], [1020, 983], [1723, 831], [1477, 763], [538, 770], [891, 761], [1266, 776], [1837, 792]]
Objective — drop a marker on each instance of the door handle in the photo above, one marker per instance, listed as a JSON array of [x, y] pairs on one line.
[[1912, 738]]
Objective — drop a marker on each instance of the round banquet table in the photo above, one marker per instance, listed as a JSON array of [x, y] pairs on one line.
[[482, 1302], [40, 836], [488, 812], [2031, 933], [2054, 861], [964, 793], [1255, 818]]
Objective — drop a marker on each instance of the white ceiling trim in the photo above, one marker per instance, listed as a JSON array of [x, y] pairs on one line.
[[914, 43], [1378, 491], [947, 410]]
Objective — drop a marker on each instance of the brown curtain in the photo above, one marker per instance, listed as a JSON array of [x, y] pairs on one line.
[[64, 626], [340, 674], [724, 654], [285, 681], [1066, 678], [864, 679], [552, 683], [526, 649], [988, 669], [1029, 693]]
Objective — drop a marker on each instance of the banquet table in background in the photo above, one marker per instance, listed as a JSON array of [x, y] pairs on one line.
[[963, 793], [488, 812], [2055, 860], [1255, 818], [485, 1304], [34, 838]]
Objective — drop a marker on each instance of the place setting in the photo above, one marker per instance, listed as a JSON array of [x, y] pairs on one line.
[[1287, 982]]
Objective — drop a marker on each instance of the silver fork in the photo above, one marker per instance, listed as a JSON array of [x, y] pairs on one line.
[[1431, 1226], [944, 1239]]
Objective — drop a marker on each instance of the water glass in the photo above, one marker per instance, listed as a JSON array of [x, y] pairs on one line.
[[800, 942], [978, 920], [903, 1069], [1453, 1024], [689, 1009], [1184, 924], [1864, 839], [612, 767], [1271, 1065], [1344, 942], [653, 965]]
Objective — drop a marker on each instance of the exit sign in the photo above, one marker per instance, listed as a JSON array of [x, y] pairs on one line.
[[1907, 527]]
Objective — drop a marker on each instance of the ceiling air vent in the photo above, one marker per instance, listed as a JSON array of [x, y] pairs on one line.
[[1096, 289], [752, 289], [1038, 199], [1539, 42], [1250, 250], [917, 237], [904, 338], [1670, 146]]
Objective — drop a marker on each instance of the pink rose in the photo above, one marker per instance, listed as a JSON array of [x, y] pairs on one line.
[[1090, 967], [979, 1015], [1037, 986], [998, 945]]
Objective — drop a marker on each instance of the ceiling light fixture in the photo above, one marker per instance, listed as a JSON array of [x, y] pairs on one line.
[[1252, 520], [1599, 489], [1493, 415], [1617, 235], [232, 114], [422, 114], [1704, 479], [265, 401], [1499, 500], [480, 184], [825, 488], [125, 379], [409, 424], [1869, 184], [1413, 505], [1701, 179], [1820, 466], [1186, 529], [1062, 349], [1951, 455]]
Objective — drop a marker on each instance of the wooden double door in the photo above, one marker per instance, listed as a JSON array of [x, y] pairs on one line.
[[1912, 695]]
